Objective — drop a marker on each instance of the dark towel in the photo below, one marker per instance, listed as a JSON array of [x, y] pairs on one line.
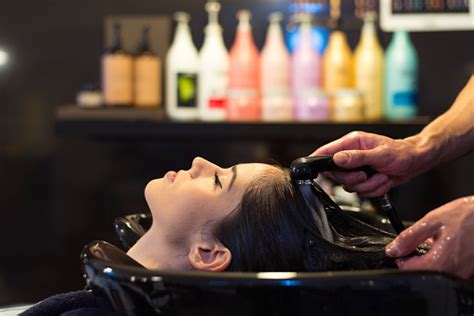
[[82, 303]]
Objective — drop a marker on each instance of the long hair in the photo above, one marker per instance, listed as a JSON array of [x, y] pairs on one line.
[[282, 226]]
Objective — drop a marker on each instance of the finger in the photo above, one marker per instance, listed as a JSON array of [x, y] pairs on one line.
[[348, 141], [381, 190], [351, 159], [416, 263], [412, 237], [373, 183], [348, 178]]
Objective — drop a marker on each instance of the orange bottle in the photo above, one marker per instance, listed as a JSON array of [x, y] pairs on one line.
[[244, 74], [337, 64]]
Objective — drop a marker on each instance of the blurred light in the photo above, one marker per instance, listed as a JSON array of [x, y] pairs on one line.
[[276, 275], [313, 8], [3, 57]]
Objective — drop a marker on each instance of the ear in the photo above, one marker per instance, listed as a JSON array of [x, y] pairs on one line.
[[209, 256]]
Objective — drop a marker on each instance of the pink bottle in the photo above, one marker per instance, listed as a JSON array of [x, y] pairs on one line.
[[244, 74], [310, 104], [277, 104]]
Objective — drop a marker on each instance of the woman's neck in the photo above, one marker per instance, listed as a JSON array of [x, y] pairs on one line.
[[147, 251], [153, 252]]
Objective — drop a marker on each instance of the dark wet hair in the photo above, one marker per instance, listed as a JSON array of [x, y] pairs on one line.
[[277, 227]]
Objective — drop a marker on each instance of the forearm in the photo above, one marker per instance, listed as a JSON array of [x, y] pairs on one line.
[[451, 135]]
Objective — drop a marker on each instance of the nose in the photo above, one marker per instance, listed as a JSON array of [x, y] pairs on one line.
[[201, 166]]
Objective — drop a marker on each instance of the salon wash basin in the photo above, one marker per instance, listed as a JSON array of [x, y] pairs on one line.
[[134, 290]]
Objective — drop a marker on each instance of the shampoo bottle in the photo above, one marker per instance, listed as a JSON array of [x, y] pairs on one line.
[[310, 104], [147, 74], [337, 64], [401, 77], [214, 65], [244, 74], [368, 66], [182, 67], [117, 73], [275, 74]]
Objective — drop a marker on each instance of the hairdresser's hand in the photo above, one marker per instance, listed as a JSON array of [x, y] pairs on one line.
[[396, 161], [452, 228]]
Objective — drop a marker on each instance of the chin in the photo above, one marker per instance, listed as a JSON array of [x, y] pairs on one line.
[[152, 192]]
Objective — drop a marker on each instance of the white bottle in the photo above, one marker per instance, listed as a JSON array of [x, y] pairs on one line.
[[182, 67], [214, 67], [275, 74]]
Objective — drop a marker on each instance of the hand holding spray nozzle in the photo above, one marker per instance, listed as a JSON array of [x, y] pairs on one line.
[[305, 169]]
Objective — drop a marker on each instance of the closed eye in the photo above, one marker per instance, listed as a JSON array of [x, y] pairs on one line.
[[217, 181]]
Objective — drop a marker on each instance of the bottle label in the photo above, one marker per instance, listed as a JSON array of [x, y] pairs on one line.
[[186, 90], [404, 98], [117, 79], [217, 103]]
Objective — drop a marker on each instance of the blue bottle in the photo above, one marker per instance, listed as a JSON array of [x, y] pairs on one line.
[[401, 78]]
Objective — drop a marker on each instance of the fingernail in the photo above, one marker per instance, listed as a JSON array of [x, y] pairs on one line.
[[343, 158], [392, 249]]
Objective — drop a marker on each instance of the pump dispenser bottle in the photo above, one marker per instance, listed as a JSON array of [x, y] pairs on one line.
[[147, 74], [309, 101], [182, 67], [401, 77], [368, 66], [244, 74], [275, 74], [214, 65], [117, 73]]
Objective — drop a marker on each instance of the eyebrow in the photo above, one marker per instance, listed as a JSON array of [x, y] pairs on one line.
[[234, 175]]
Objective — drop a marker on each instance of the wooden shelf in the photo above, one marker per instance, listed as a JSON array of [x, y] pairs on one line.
[[144, 124]]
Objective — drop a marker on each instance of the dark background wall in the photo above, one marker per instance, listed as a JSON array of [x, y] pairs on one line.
[[60, 192]]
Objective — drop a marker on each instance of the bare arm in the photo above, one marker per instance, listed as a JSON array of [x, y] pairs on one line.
[[448, 137], [451, 135]]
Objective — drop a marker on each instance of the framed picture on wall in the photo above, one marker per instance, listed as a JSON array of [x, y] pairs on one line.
[[424, 15]]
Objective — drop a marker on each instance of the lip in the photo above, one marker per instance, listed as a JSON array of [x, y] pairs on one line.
[[171, 176]]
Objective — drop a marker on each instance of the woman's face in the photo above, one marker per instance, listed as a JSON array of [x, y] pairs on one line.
[[184, 203]]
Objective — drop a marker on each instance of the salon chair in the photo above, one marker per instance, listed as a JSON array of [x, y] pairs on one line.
[[134, 290]]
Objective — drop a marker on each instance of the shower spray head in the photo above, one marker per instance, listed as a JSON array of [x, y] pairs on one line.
[[306, 169]]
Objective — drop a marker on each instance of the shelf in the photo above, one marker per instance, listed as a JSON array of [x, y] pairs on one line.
[[144, 124]]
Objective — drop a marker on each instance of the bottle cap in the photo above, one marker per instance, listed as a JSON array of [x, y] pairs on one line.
[[212, 8], [144, 43], [370, 16], [182, 17], [244, 16], [275, 17], [304, 17]]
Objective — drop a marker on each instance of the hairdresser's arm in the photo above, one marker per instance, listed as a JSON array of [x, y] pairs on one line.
[[448, 137], [451, 228]]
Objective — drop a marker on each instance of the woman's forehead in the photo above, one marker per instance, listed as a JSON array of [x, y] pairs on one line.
[[252, 169]]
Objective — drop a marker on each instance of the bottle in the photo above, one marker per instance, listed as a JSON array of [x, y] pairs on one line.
[[275, 74], [319, 33], [401, 77], [348, 106], [214, 65], [337, 63], [244, 74], [117, 73], [147, 74], [310, 104], [182, 67], [368, 66]]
